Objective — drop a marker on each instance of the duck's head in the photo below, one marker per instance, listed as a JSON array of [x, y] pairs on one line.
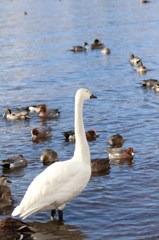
[[34, 132], [130, 151], [42, 108]]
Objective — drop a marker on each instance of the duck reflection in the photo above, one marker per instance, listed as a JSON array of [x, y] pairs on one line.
[[52, 230]]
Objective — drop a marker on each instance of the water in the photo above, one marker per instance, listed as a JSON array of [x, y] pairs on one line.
[[35, 67]]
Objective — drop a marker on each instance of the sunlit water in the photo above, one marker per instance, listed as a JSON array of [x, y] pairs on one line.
[[36, 67]]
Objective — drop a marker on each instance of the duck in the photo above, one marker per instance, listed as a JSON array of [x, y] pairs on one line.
[[62, 181], [99, 165], [11, 228], [36, 108], [144, 1], [116, 140], [156, 87], [5, 200], [134, 60], [44, 113], [141, 69], [105, 50], [4, 180], [14, 162], [3, 189], [97, 44], [149, 83], [91, 135], [3, 186], [80, 48], [41, 133], [49, 156], [8, 114], [120, 153]]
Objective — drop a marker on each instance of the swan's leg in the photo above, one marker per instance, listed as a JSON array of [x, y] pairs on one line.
[[60, 212], [53, 213]]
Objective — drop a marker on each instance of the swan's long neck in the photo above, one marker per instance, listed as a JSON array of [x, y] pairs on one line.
[[81, 148]]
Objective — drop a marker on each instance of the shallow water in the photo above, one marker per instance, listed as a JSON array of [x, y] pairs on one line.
[[35, 67]]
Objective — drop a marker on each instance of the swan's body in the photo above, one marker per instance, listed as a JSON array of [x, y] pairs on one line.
[[62, 181]]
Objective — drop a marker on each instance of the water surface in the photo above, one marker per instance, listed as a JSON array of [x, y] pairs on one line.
[[36, 67]]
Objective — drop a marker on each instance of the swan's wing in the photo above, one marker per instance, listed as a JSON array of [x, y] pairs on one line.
[[51, 187]]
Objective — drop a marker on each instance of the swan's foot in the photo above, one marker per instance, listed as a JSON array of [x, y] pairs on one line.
[[53, 213], [61, 221]]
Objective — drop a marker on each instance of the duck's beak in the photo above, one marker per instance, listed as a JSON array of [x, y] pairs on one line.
[[4, 115]]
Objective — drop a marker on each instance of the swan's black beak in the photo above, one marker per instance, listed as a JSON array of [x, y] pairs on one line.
[[92, 96]]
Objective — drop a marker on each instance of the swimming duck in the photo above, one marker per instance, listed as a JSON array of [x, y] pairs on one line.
[[36, 108], [14, 229], [97, 44], [100, 165], [106, 50], [116, 140], [120, 153], [134, 60], [90, 135], [144, 1], [149, 83], [15, 115], [156, 87], [5, 200], [80, 48], [49, 156], [62, 181], [141, 69], [14, 162], [4, 180], [4, 188], [44, 113], [41, 133]]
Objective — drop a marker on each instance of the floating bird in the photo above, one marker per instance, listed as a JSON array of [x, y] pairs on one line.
[[13, 229], [49, 156], [156, 87], [14, 162], [149, 83], [5, 200], [80, 48], [36, 108], [62, 181], [4, 180], [116, 140], [44, 113], [106, 50], [141, 69], [15, 115], [120, 153], [41, 133], [144, 1], [100, 165], [97, 44], [90, 135], [134, 60]]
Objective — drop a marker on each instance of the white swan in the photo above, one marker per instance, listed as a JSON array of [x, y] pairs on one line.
[[62, 181]]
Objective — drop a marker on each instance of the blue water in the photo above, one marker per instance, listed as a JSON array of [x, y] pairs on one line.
[[36, 67]]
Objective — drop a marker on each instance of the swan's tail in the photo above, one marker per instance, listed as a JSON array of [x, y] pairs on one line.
[[16, 211]]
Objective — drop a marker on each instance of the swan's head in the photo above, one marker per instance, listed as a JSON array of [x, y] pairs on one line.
[[84, 94]]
